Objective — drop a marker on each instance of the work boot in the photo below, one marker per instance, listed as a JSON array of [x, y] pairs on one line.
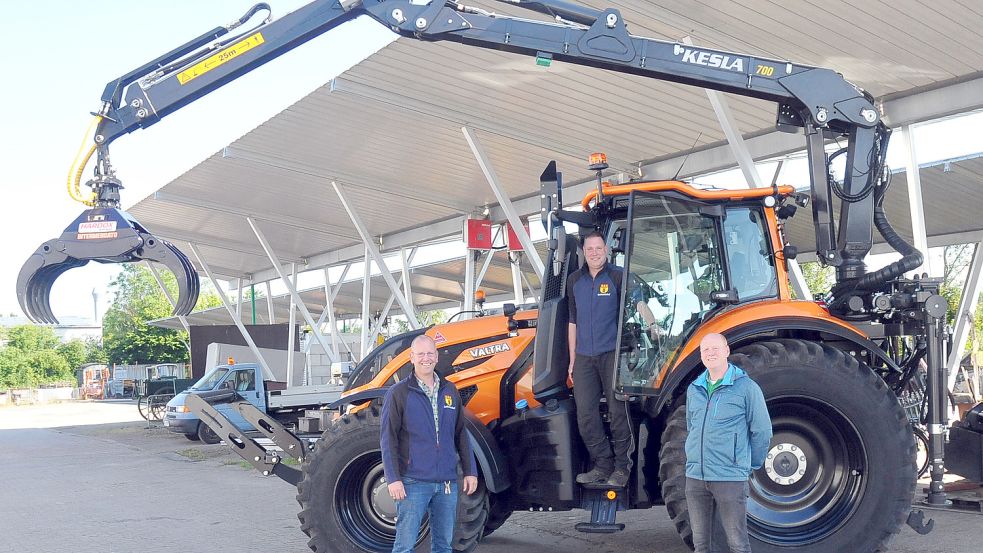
[[618, 478], [594, 475]]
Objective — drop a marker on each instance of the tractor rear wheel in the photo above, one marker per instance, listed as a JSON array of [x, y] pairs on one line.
[[840, 473], [344, 498]]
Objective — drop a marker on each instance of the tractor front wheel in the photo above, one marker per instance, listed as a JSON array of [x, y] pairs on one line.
[[344, 496]]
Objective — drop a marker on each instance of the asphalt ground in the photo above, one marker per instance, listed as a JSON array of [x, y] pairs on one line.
[[94, 477]]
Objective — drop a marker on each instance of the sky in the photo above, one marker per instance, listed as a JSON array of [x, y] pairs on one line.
[[56, 56]]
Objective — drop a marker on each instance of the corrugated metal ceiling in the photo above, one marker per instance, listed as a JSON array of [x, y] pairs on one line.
[[389, 129]]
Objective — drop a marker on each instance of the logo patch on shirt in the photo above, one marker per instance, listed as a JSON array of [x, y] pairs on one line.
[[448, 402], [603, 290]]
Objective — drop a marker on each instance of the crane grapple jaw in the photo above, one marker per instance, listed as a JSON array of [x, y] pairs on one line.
[[105, 235]]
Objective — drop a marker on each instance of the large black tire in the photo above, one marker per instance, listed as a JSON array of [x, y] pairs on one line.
[[345, 505], [672, 472], [193, 436], [859, 476], [499, 510], [206, 434]]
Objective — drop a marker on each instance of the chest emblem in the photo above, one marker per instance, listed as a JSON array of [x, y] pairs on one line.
[[603, 289], [448, 401]]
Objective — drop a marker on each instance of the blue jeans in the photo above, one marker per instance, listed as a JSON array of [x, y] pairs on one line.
[[728, 502], [423, 498]]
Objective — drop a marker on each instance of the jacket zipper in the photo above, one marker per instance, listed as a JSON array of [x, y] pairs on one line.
[[703, 436]]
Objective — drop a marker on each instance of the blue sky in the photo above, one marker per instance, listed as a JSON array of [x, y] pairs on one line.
[[57, 57]]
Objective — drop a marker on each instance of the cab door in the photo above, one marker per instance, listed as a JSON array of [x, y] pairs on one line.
[[672, 270]]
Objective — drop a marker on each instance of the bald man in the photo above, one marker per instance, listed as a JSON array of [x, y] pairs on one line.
[[729, 433], [423, 437]]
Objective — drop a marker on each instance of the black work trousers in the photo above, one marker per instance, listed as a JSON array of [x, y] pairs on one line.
[[593, 379]]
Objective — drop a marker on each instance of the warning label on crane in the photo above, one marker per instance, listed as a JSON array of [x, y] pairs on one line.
[[218, 59]]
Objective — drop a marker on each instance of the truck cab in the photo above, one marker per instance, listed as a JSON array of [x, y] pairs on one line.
[[241, 378]]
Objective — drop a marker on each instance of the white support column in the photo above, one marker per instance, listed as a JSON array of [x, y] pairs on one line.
[[269, 303], [377, 327], [366, 298], [504, 201], [372, 250], [291, 327], [743, 156], [170, 300], [517, 278], [291, 288], [966, 314], [468, 303], [915, 202], [239, 297], [228, 307], [407, 285], [532, 291], [328, 312]]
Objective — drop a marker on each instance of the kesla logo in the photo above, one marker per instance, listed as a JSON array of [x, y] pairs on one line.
[[489, 350], [709, 59]]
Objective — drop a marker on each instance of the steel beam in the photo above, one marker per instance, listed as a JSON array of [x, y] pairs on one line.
[[239, 297], [915, 202], [403, 278], [269, 303], [372, 250], [291, 323], [517, 278], [366, 299], [225, 301], [503, 199], [468, 285], [290, 287], [170, 300], [966, 315], [407, 285]]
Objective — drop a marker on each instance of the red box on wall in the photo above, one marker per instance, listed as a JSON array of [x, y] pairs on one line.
[[478, 234], [514, 244]]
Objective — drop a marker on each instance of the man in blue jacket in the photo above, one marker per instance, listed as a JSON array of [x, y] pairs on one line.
[[729, 433], [423, 437]]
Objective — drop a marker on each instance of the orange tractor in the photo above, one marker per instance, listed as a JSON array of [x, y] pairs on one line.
[[841, 471]]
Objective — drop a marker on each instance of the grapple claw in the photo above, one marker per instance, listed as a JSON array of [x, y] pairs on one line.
[[104, 235]]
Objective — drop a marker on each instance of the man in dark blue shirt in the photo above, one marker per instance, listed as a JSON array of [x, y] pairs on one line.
[[594, 300]]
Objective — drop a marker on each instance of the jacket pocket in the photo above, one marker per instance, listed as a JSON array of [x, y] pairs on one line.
[[735, 449]]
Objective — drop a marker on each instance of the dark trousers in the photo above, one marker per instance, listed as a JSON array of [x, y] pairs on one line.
[[593, 379], [727, 501]]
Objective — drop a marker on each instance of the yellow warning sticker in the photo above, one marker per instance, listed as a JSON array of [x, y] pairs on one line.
[[221, 57]]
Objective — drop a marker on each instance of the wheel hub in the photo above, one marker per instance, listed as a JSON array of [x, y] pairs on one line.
[[382, 503], [785, 464]]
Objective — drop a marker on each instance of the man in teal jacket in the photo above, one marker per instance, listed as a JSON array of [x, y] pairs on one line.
[[729, 433]]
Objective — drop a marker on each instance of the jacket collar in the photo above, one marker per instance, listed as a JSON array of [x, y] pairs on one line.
[[733, 373]]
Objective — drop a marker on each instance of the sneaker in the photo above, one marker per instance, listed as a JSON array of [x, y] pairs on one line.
[[618, 478], [596, 474]]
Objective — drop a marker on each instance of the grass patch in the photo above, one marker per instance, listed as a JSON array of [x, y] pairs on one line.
[[192, 453]]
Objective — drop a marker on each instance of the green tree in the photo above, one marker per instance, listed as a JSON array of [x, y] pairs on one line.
[[138, 299], [818, 278], [31, 338], [74, 353]]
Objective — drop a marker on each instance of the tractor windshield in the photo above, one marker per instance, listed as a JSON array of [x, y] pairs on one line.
[[673, 267]]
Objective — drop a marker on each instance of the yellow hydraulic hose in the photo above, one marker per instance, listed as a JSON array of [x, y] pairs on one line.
[[75, 175]]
